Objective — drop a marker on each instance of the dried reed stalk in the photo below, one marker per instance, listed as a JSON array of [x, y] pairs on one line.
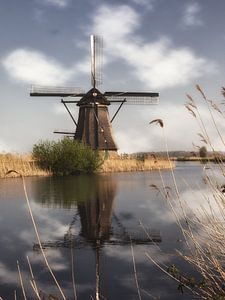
[[23, 164], [37, 233], [130, 165], [21, 281], [32, 281], [39, 240], [135, 270], [207, 244]]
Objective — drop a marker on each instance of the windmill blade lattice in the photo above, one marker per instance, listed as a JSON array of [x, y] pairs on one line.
[[96, 60], [138, 237], [56, 91], [135, 98]]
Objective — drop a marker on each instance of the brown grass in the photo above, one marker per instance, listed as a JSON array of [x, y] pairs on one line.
[[22, 163], [130, 164]]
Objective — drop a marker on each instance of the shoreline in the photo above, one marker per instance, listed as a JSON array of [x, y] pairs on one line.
[[135, 165], [24, 165], [198, 159]]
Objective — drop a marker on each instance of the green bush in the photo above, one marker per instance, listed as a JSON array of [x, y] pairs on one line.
[[66, 157]]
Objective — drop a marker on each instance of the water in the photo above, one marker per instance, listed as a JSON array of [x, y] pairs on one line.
[[89, 220]]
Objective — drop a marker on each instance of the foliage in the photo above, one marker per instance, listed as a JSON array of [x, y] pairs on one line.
[[203, 152], [66, 157], [141, 157]]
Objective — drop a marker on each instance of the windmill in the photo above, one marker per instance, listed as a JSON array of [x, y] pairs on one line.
[[93, 126]]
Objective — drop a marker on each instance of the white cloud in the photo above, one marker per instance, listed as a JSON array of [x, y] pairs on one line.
[[115, 23], [145, 137], [31, 66], [57, 3], [132, 139], [191, 15], [157, 64], [180, 129]]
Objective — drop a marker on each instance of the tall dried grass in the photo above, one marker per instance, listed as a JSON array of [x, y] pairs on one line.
[[22, 163], [208, 242], [203, 228], [131, 164], [26, 166]]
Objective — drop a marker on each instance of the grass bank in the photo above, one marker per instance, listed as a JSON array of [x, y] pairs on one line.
[[131, 165], [22, 164], [25, 165], [218, 159]]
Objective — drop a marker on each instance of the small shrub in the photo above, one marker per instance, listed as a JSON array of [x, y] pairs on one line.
[[203, 152], [66, 157]]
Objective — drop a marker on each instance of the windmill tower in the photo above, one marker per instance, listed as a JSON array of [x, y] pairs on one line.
[[94, 127]]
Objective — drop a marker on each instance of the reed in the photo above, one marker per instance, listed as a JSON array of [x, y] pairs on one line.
[[131, 165], [208, 242], [203, 228], [26, 166], [23, 163]]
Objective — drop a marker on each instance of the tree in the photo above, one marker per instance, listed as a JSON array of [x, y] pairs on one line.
[[66, 157], [203, 152]]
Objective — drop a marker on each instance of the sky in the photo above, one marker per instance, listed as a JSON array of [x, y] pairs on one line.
[[165, 46]]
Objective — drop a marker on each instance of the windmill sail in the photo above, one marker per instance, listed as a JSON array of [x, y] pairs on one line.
[[56, 91], [139, 98], [96, 60]]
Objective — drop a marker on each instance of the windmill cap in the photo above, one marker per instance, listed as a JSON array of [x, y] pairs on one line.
[[93, 96]]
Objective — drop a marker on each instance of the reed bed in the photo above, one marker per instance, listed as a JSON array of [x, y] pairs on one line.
[[26, 166], [203, 227], [131, 164], [22, 163]]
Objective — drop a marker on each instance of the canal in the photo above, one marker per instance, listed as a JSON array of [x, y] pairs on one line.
[[98, 231]]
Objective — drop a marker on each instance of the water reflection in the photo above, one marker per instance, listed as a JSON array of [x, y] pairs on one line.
[[95, 217], [93, 200], [55, 192]]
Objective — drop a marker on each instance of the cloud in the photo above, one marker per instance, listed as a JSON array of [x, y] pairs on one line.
[[178, 122], [115, 23], [4, 147], [31, 66], [55, 258], [156, 64], [8, 276], [147, 4], [39, 15], [145, 137], [191, 15], [56, 3]]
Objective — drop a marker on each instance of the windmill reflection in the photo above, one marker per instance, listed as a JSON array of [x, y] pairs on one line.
[[96, 217], [96, 212]]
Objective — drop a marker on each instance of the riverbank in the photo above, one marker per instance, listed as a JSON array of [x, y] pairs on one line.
[[132, 165], [24, 165], [212, 159]]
